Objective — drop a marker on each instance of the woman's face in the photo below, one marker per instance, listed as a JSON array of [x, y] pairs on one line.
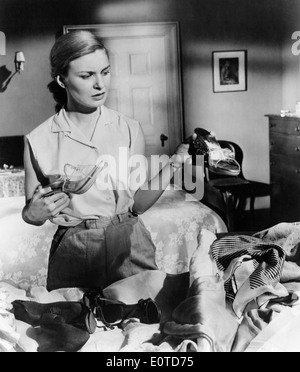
[[88, 80]]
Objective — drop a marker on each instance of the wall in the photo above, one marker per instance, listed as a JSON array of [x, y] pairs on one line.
[[205, 26], [291, 62]]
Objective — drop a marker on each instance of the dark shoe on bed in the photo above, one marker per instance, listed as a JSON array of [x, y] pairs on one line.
[[75, 313], [62, 336], [112, 312]]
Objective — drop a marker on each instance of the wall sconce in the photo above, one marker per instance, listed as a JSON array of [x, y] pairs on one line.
[[2, 44], [6, 76], [19, 61]]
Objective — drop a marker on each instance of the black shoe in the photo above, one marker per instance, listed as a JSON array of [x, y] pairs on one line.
[[75, 313], [201, 137], [62, 336], [112, 312]]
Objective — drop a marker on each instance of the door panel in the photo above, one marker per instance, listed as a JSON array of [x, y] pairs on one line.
[[139, 78]]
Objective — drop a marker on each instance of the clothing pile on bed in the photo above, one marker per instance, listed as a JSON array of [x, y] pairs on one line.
[[237, 289], [9, 337], [261, 275]]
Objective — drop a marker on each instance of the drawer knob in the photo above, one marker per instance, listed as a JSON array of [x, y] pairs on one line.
[[297, 170], [273, 125], [297, 148], [297, 129]]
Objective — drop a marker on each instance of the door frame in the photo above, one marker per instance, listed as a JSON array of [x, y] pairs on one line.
[[170, 32]]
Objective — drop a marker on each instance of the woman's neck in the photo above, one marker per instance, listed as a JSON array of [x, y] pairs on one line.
[[82, 119], [86, 122]]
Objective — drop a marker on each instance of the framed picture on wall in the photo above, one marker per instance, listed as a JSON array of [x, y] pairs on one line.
[[229, 71]]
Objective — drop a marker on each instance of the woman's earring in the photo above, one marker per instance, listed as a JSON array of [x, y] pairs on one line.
[[59, 82]]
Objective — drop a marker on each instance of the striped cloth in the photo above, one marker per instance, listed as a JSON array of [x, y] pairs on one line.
[[252, 269]]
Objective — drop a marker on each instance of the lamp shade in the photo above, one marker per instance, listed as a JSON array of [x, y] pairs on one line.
[[2, 44], [19, 57]]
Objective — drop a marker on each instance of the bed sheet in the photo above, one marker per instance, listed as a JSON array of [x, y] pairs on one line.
[[174, 223], [131, 336], [271, 327]]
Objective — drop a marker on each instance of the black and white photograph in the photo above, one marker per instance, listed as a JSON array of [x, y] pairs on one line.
[[149, 178], [230, 71]]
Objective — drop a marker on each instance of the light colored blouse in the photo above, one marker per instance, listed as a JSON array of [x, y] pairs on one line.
[[58, 142]]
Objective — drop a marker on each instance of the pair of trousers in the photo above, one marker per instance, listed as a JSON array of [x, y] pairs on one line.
[[97, 253]]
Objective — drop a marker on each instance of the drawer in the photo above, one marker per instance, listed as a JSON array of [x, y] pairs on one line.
[[283, 144], [285, 125], [285, 167], [285, 201]]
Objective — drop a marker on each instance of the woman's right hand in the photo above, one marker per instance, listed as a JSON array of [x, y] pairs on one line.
[[182, 155], [41, 207]]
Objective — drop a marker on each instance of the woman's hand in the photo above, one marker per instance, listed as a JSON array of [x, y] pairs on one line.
[[41, 207], [181, 155]]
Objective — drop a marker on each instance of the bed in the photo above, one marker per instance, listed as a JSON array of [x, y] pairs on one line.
[[180, 227], [174, 223]]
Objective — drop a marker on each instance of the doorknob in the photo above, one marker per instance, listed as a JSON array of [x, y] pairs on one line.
[[163, 138]]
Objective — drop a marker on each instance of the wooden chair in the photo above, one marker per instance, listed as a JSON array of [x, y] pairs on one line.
[[235, 190]]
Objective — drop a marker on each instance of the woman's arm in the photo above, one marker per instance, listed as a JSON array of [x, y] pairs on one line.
[[150, 192], [39, 209], [145, 197]]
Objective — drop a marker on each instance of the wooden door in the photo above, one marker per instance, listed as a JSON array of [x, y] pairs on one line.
[[146, 82]]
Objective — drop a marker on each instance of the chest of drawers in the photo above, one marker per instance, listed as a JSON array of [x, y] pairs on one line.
[[284, 134]]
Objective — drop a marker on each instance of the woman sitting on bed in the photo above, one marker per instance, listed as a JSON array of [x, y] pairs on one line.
[[100, 238]]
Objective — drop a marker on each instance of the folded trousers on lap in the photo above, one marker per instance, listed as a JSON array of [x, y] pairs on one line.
[[97, 253]]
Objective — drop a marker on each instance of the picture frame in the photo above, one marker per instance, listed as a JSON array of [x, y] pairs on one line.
[[229, 71]]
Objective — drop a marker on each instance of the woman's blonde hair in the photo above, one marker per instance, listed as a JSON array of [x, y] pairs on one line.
[[66, 49]]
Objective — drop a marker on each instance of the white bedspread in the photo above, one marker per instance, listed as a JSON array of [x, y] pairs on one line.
[[174, 223]]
